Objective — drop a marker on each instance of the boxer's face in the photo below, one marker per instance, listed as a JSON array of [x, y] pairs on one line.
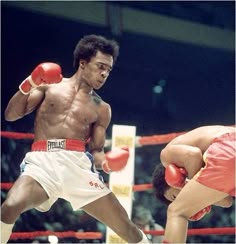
[[97, 70], [171, 194]]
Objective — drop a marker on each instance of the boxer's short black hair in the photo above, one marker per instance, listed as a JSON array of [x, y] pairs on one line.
[[88, 46], [159, 183]]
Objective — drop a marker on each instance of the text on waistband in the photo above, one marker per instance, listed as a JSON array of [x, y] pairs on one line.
[[53, 145]]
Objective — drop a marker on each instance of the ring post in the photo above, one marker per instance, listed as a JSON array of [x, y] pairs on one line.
[[121, 183]]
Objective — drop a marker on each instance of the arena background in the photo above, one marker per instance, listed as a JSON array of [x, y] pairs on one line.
[[175, 72]]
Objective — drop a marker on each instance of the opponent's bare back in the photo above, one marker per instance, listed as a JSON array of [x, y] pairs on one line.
[[201, 137]]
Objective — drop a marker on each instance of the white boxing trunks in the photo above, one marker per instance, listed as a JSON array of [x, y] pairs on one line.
[[70, 175]]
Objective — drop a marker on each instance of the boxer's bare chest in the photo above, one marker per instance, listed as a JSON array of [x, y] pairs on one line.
[[65, 101]]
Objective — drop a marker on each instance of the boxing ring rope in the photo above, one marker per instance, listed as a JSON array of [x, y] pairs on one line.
[[139, 142], [200, 231], [16, 135], [98, 235], [65, 234]]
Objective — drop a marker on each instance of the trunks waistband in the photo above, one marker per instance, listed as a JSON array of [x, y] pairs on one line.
[[58, 144], [229, 136]]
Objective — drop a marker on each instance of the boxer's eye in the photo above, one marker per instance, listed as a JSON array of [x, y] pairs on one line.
[[103, 66]]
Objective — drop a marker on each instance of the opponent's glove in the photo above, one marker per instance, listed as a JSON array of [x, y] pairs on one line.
[[47, 73], [175, 176], [200, 214], [115, 160]]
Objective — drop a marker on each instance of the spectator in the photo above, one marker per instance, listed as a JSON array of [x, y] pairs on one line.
[[142, 217]]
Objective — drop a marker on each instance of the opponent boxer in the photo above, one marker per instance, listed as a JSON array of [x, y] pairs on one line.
[[68, 114], [197, 171]]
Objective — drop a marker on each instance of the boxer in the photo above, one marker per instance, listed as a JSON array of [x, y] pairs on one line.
[[70, 126], [197, 170]]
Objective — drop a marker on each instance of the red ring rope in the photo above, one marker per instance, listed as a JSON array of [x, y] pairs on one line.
[[140, 140], [98, 235], [200, 231], [78, 235], [17, 135]]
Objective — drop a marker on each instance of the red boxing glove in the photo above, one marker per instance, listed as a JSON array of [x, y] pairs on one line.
[[200, 214], [115, 160], [47, 73], [175, 176]]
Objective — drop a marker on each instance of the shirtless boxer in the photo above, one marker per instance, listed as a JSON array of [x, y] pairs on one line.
[[199, 171], [69, 113]]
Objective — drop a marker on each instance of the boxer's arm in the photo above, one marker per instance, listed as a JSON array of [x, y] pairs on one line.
[[225, 203], [114, 160], [30, 93], [96, 145], [98, 135], [21, 105], [187, 157]]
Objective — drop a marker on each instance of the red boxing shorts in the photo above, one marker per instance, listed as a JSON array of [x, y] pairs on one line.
[[219, 171]]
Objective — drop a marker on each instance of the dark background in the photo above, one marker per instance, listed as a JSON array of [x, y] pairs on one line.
[[199, 89]]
